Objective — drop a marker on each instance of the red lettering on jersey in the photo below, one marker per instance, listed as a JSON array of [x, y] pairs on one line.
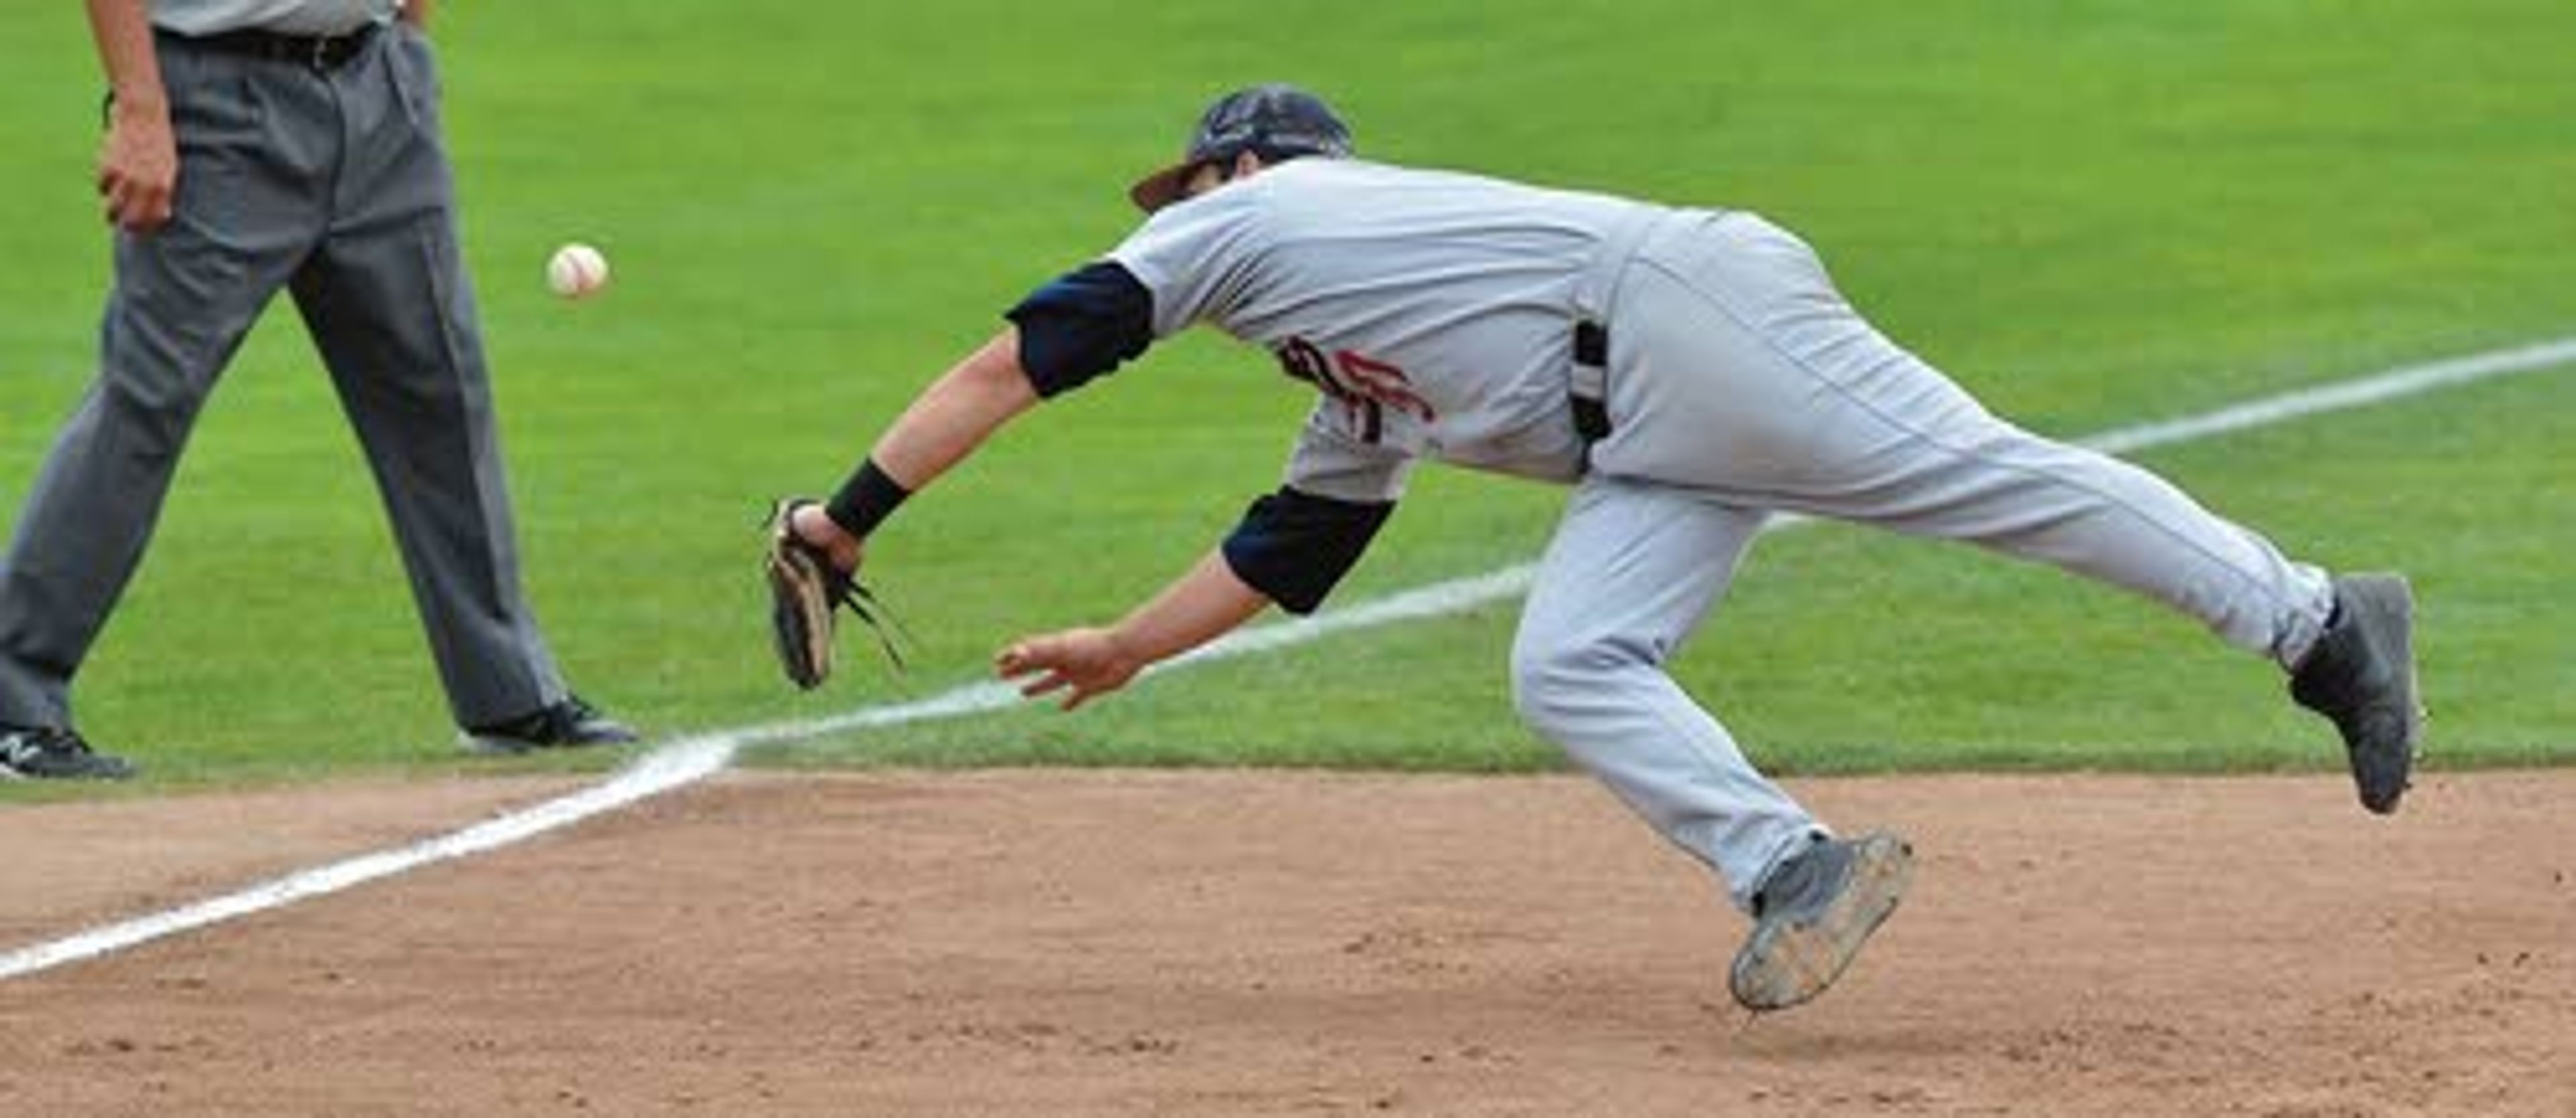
[[1382, 382], [1364, 386], [1300, 359]]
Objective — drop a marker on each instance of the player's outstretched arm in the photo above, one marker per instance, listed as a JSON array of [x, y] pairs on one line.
[[957, 413], [812, 550], [952, 417], [1201, 606]]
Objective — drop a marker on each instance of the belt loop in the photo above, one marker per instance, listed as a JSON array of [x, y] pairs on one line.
[[1588, 391], [1588, 388]]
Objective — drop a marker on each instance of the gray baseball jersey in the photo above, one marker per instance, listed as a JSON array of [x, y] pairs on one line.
[[1436, 311], [1433, 310], [290, 17]]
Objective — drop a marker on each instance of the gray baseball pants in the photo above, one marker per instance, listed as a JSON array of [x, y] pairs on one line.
[[333, 184], [1743, 384]]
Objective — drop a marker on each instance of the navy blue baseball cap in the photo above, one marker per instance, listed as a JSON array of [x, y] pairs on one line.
[[1274, 121]]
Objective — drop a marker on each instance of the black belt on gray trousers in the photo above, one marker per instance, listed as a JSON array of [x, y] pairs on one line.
[[321, 52], [1590, 393]]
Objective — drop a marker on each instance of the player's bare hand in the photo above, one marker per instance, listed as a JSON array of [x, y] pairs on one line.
[[138, 166], [816, 527], [1080, 663]]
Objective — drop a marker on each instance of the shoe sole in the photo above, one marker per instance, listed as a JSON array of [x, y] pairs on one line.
[[515, 747], [2385, 605], [11, 772], [99, 766], [1788, 964], [497, 745]]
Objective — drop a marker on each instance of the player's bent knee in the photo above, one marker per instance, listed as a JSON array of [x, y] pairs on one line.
[[1555, 683]]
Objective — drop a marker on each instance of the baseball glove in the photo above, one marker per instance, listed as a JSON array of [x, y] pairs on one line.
[[806, 591]]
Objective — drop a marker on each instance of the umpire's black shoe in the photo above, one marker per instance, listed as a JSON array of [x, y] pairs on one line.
[[55, 753], [1813, 914], [569, 724], [2361, 674]]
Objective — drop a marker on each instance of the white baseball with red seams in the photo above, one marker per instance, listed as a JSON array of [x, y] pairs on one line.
[[576, 271]]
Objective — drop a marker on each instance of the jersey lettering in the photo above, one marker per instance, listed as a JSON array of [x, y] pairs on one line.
[[1364, 386]]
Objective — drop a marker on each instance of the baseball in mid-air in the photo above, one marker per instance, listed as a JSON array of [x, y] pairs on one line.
[[577, 271]]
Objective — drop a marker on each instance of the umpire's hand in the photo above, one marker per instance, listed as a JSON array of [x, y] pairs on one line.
[[138, 166]]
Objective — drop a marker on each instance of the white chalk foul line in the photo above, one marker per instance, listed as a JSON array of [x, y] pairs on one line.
[[689, 760], [2342, 395]]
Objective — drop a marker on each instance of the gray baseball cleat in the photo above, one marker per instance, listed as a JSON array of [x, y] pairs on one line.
[[1812, 915], [2361, 674]]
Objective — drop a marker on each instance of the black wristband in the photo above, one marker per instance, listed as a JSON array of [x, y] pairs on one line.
[[865, 500]]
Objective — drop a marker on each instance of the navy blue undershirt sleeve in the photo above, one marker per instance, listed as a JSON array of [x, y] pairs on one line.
[[1293, 546], [1082, 324]]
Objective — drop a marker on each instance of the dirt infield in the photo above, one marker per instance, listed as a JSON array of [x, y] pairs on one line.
[[1057, 943]]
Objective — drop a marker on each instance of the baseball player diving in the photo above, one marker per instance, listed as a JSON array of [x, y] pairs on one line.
[[1686, 373]]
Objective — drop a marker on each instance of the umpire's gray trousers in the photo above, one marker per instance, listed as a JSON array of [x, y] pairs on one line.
[[334, 184]]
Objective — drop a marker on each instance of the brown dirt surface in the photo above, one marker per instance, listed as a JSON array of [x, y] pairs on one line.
[[1075, 943]]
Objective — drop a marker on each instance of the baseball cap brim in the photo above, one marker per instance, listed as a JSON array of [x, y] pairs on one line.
[[1162, 188]]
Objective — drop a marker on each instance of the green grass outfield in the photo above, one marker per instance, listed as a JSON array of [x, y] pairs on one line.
[[2092, 213]]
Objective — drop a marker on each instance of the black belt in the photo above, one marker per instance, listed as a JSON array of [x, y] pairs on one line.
[[321, 52], [1591, 390]]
